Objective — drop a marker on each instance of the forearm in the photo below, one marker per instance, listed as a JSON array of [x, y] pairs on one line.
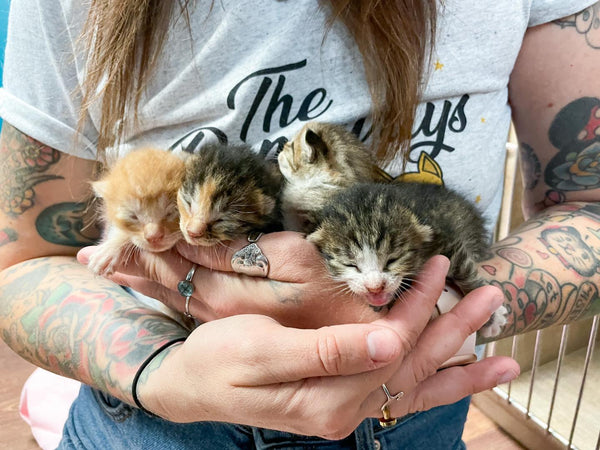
[[56, 314], [549, 268]]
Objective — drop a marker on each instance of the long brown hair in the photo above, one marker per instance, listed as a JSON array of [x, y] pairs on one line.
[[393, 38]]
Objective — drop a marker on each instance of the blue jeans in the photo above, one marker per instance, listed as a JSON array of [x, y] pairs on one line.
[[99, 421]]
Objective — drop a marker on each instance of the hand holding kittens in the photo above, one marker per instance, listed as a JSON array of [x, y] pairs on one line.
[[297, 293], [253, 361]]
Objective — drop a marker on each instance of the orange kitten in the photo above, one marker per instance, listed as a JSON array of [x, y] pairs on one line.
[[139, 196]]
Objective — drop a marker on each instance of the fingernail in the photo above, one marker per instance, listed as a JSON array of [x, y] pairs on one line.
[[382, 345], [507, 376], [83, 255]]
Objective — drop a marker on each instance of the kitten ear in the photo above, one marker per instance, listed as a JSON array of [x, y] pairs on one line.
[[425, 231], [100, 187], [316, 236], [313, 145], [266, 204]]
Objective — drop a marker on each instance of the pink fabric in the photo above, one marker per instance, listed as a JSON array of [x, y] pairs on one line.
[[45, 402]]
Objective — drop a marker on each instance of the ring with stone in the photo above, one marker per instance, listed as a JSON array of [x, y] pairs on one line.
[[186, 289]]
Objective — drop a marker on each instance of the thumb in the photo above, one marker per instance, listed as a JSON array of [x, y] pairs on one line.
[[337, 350]]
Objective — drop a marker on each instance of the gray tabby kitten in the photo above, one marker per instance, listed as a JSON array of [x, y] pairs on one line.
[[376, 237], [321, 159], [228, 191]]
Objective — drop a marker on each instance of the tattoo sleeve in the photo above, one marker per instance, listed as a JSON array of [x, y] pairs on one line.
[[56, 315], [549, 269]]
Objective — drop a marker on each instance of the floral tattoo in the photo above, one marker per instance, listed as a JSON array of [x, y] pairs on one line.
[[25, 163]]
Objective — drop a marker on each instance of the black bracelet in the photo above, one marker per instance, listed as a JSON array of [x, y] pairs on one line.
[[143, 366]]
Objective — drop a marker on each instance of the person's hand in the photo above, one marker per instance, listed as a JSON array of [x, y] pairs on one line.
[[298, 291], [249, 369]]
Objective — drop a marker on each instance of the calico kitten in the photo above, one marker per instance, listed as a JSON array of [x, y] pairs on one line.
[[376, 238], [321, 159], [139, 198], [228, 191]]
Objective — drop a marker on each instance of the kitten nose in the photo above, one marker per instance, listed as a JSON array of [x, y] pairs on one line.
[[375, 289], [153, 233], [196, 232]]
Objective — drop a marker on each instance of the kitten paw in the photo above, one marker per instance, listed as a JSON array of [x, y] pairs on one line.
[[103, 261], [493, 327]]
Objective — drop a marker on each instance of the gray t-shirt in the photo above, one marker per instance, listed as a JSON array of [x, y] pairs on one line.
[[253, 71]]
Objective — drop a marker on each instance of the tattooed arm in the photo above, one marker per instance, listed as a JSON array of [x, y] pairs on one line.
[[549, 269], [53, 311]]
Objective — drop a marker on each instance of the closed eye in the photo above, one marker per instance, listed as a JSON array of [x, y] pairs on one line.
[[353, 266], [131, 216], [391, 261], [187, 202]]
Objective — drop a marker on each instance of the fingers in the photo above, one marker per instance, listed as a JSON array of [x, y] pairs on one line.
[[452, 384], [166, 268], [442, 337], [216, 294], [289, 255], [157, 275], [296, 354], [445, 335], [413, 310]]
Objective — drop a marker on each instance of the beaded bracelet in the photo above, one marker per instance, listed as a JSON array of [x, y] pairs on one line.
[[144, 365]]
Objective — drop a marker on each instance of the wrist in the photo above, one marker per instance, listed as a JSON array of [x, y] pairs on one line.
[[151, 376]]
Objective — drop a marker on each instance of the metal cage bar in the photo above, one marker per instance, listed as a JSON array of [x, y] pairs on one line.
[[559, 361], [588, 357]]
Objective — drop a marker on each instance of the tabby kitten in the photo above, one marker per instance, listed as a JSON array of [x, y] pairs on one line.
[[139, 199], [375, 238], [228, 191], [321, 159]]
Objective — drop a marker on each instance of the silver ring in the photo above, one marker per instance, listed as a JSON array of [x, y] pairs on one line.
[[186, 289], [388, 420], [250, 260]]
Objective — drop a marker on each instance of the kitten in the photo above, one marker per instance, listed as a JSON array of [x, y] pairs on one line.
[[376, 238], [320, 160], [139, 197], [228, 191]]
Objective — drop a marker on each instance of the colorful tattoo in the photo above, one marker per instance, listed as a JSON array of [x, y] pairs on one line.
[[585, 23], [575, 132], [99, 335], [63, 224], [539, 292], [24, 163]]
